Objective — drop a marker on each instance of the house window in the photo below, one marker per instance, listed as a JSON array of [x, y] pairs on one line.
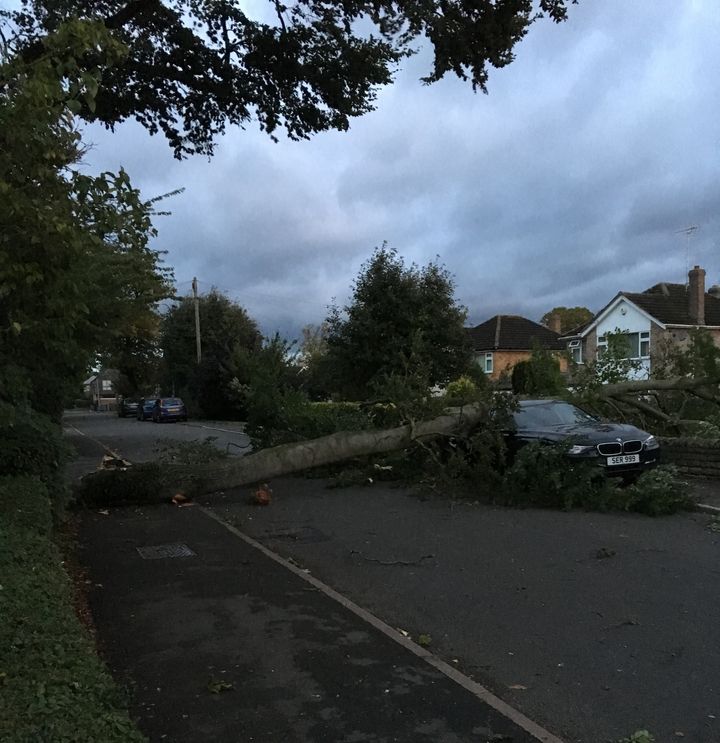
[[486, 362], [637, 344], [106, 385], [575, 350]]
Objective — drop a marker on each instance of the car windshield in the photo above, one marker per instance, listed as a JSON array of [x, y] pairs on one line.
[[171, 401], [550, 414]]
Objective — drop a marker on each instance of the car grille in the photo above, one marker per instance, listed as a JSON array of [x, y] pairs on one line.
[[613, 448], [632, 447]]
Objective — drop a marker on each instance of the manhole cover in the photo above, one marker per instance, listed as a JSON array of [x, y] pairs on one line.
[[159, 551]]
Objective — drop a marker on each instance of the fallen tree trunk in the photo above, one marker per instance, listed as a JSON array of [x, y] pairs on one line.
[[337, 447]]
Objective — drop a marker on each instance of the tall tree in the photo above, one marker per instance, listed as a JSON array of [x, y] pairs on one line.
[[400, 319], [226, 328], [195, 65], [570, 317], [76, 269]]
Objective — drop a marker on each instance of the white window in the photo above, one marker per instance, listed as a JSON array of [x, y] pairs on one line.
[[106, 385], [638, 345], [486, 362], [575, 350]]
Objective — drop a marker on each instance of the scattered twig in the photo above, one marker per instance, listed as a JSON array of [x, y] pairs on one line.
[[392, 562]]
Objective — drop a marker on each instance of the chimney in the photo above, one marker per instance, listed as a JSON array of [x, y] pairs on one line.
[[555, 322], [696, 295]]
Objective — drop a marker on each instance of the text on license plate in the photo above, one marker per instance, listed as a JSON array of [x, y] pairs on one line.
[[623, 459]]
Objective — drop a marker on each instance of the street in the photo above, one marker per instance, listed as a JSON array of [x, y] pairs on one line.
[[593, 625], [92, 434]]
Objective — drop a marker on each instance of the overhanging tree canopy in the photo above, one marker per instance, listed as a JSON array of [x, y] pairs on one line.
[[308, 66]]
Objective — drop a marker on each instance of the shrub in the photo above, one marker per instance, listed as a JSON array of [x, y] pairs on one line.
[[54, 687], [659, 491], [297, 419], [462, 391], [542, 476], [31, 444], [539, 375], [139, 484]]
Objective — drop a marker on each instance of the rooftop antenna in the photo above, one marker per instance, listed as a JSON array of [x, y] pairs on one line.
[[688, 232]]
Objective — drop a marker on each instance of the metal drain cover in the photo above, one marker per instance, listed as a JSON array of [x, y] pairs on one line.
[[160, 551]]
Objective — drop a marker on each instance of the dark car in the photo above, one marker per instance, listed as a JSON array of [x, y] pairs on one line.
[[619, 448], [127, 406], [169, 409], [145, 408]]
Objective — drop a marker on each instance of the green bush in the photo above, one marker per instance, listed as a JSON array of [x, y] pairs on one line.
[[539, 375], [542, 476], [31, 444], [296, 419], [659, 491], [139, 484], [54, 688], [462, 391]]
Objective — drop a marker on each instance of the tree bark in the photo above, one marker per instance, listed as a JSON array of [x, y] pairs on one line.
[[288, 458]]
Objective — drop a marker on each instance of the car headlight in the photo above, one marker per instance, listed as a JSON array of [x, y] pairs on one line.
[[577, 449], [651, 443]]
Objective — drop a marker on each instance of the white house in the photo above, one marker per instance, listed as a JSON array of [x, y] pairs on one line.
[[662, 315]]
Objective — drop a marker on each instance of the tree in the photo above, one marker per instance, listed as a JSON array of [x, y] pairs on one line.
[[226, 328], [538, 375], [76, 270], [570, 317], [195, 65], [400, 321]]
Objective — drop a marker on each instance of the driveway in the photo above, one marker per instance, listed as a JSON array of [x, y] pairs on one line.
[[595, 625]]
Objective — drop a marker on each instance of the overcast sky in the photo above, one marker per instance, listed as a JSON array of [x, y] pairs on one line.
[[564, 185]]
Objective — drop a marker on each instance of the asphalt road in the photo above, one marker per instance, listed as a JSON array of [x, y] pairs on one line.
[[142, 441], [594, 625]]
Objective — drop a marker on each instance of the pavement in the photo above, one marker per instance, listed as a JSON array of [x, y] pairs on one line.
[[228, 644], [591, 625]]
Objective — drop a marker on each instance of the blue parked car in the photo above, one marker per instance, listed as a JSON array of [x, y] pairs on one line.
[[145, 408], [169, 409]]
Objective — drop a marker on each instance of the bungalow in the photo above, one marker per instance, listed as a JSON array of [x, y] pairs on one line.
[[661, 315], [502, 341]]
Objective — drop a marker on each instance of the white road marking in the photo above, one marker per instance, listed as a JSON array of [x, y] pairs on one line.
[[515, 716]]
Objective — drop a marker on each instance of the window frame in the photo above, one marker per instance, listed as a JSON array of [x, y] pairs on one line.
[[486, 362], [574, 346], [643, 337]]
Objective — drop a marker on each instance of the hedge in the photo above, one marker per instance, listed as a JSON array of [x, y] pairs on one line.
[[53, 686]]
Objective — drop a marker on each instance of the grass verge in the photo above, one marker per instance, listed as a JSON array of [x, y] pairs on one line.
[[53, 686]]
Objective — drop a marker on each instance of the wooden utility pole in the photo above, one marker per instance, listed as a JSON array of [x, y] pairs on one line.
[[198, 344]]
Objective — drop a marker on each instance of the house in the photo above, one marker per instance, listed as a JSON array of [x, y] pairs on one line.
[[100, 389], [502, 341], [660, 316]]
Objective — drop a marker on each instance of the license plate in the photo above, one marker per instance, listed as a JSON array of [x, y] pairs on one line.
[[623, 459], [173, 410]]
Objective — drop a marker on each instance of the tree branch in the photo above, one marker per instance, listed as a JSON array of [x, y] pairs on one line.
[[648, 385]]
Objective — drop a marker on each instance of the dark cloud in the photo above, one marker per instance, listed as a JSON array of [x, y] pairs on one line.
[[565, 184]]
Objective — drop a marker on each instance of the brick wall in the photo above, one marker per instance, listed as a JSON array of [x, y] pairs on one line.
[[694, 456]]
